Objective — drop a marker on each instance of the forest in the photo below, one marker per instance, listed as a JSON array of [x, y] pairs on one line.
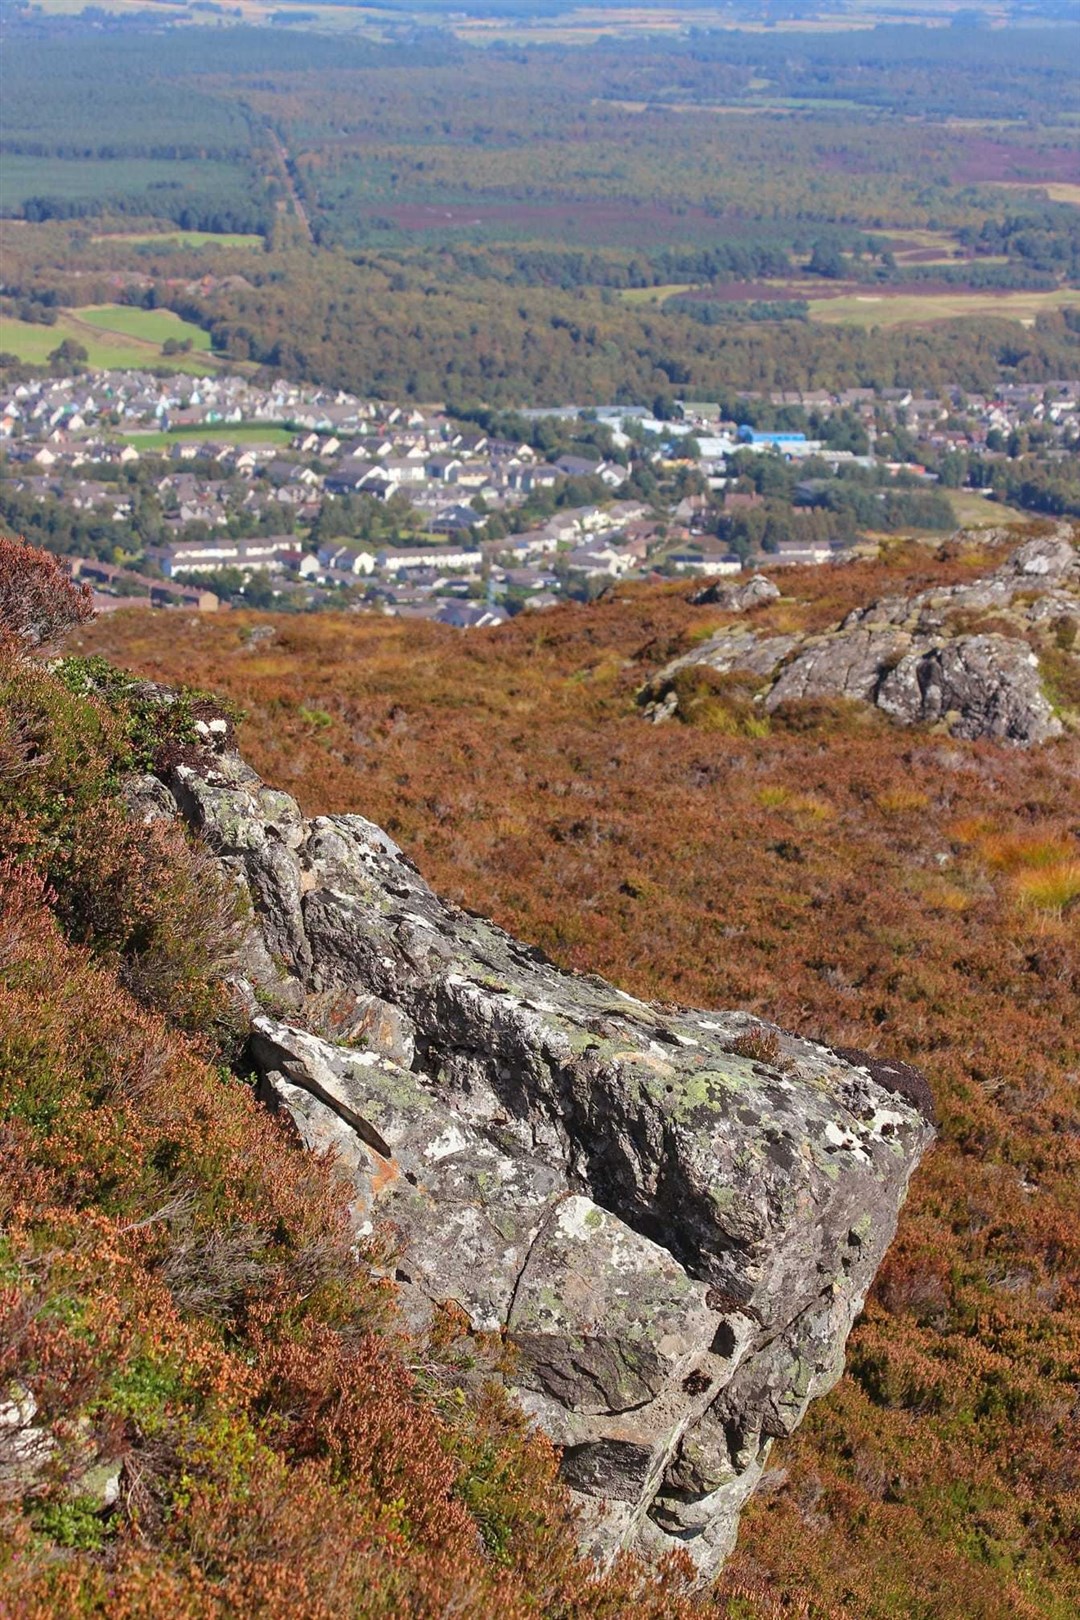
[[601, 222]]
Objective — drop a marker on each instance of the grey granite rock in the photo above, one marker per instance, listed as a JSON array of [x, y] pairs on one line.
[[673, 1218], [737, 598], [980, 686], [913, 657]]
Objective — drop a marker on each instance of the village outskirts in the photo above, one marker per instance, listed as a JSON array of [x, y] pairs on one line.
[[209, 492]]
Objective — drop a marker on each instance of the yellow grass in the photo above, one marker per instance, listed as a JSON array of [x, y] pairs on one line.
[[901, 801], [1032, 853], [875, 309], [1051, 888], [1057, 190], [975, 511], [808, 807]]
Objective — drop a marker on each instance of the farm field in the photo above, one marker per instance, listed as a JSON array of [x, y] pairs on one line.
[[868, 310], [975, 511], [149, 325], [113, 336], [182, 239]]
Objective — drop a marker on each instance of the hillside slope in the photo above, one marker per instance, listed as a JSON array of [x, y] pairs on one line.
[[893, 889], [207, 1404]]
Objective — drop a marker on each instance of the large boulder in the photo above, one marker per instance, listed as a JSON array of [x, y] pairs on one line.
[[671, 1217], [980, 686]]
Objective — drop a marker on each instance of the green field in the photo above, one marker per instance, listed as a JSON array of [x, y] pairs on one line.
[[150, 325], [871, 309], [115, 336], [217, 433], [974, 511], [181, 239]]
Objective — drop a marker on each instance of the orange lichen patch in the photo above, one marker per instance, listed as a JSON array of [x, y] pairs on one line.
[[384, 1173]]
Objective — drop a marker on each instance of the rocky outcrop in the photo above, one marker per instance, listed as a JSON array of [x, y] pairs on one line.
[[921, 660], [736, 598], [671, 1217]]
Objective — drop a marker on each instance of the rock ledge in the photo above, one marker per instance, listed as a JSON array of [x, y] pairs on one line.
[[922, 660]]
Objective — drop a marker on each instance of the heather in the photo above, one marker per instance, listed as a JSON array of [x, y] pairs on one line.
[[209, 1405], [893, 890]]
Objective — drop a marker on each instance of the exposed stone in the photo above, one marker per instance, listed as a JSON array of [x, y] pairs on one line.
[[736, 598], [980, 686], [847, 665], [674, 1236], [739, 651], [26, 1447], [921, 660]]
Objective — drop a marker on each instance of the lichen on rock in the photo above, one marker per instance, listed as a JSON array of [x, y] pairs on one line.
[[671, 1217]]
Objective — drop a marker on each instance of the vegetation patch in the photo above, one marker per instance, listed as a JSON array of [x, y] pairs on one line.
[[703, 871]]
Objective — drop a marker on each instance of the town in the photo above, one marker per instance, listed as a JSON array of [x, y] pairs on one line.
[[203, 492]]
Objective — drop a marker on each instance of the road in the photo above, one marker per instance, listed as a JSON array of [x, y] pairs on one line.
[[282, 156]]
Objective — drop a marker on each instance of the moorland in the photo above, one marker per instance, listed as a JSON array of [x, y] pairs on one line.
[[526, 206], [852, 880]]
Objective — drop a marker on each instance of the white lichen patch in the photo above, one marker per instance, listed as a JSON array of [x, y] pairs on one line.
[[579, 1219], [452, 1140], [885, 1121], [839, 1138]]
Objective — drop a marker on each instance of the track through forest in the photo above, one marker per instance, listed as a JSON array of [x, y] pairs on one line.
[[282, 155]]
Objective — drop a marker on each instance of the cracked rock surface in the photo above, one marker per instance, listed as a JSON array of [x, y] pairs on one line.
[[912, 657], [672, 1217]]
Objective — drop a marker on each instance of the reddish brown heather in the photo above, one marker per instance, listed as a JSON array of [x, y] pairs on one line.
[[39, 603], [179, 1293], [842, 877]]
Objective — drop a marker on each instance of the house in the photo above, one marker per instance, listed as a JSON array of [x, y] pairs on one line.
[[135, 587], [542, 476], [445, 469], [737, 500], [701, 559], [354, 473], [757, 440], [600, 559], [406, 562], [345, 559], [206, 556], [577, 467], [448, 519], [398, 470], [795, 553], [470, 615]]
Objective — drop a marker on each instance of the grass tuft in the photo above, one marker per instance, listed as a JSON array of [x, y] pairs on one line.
[[1049, 888]]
